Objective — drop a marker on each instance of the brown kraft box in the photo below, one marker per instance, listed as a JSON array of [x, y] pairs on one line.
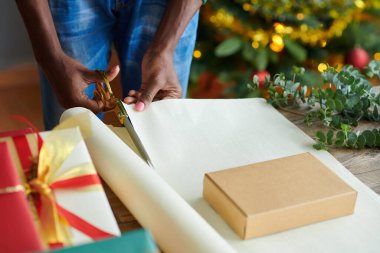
[[276, 195]]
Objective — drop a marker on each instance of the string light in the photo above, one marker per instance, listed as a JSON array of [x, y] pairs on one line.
[[247, 7], [277, 44], [322, 67], [300, 16], [197, 54], [279, 28], [255, 44], [376, 56], [313, 36], [360, 4]]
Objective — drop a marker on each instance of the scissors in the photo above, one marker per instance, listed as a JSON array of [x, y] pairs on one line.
[[111, 102]]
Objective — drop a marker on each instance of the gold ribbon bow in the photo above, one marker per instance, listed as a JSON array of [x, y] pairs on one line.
[[56, 148]]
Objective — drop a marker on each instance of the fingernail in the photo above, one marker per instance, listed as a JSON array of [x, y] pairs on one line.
[[139, 106], [114, 69]]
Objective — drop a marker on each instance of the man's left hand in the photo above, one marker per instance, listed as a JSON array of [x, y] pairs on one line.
[[159, 81]]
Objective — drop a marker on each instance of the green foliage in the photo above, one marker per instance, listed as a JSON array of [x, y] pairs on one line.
[[228, 47], [295, 49], [346, 99], [373, 69], [347, 138]]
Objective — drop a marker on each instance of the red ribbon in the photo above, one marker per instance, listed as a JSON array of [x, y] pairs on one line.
[[23, 152], [82, 225], [74, 220], [81, 181]]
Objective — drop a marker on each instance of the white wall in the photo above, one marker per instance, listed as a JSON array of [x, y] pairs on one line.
[[15, 47]]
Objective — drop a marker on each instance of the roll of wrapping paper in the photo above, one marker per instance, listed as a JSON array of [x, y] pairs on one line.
[[175, 225]]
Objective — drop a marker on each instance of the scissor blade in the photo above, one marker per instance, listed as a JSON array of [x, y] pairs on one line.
[[126, 121], [136, 140]]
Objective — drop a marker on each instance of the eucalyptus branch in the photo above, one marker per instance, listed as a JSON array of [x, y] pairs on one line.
[[347, 138], [346, 99]]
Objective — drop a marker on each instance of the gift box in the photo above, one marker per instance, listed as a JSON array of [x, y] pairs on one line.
[[137, 241], [61, 183], [18, 232], [276, 195]]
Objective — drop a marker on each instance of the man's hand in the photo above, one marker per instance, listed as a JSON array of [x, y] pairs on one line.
[[69, 78], [159, 81]]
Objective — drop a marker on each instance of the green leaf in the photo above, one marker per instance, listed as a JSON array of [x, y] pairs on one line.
[[329, 137], [228, 47], [294, 87], [295, 49], [320, 146], [370, 138], [375, 113], [256, 81], [374, 67], [339, 142], [365, 103], [298, 70], [261, 60], [376, 133], [378, 139], [340, 137], [345, 128], [320, 136], [248, 53], [351, 139], [335, 121], [345, 77], [352, 101], [330, 92], [339, 105], [359, 106], [360, 143], [330, 103], [378, 99]]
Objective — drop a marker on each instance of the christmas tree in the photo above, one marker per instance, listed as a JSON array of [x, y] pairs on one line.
[[238, 39]]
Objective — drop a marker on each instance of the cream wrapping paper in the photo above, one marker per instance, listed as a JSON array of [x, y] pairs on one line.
[[174, 224], [187, 138]]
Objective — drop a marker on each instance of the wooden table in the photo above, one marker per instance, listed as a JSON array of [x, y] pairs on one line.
[[364, 164]]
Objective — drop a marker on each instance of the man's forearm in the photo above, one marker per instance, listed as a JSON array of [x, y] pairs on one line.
[[177, 16], [39, 24]]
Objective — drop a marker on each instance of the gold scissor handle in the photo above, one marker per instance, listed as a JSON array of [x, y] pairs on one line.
[[108, 98], [105, 95]]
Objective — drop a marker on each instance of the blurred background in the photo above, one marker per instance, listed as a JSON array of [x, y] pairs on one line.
[[19, 85], [236, 39], [240, 38]]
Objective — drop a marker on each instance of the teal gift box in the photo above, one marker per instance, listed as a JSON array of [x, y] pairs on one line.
[[137, 241]]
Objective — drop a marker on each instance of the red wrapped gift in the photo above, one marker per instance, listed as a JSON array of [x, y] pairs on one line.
[[52, 168], [17, 231]]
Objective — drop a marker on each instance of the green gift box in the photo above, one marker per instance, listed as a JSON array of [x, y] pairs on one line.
[[137, 241]]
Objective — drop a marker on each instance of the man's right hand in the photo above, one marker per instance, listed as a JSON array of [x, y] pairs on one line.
[[69, 78]]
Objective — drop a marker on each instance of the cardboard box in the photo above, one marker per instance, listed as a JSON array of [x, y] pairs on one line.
[[276, 195]]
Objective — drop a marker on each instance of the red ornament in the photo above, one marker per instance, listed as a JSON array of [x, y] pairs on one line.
[[261, 74], [357, 57]]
